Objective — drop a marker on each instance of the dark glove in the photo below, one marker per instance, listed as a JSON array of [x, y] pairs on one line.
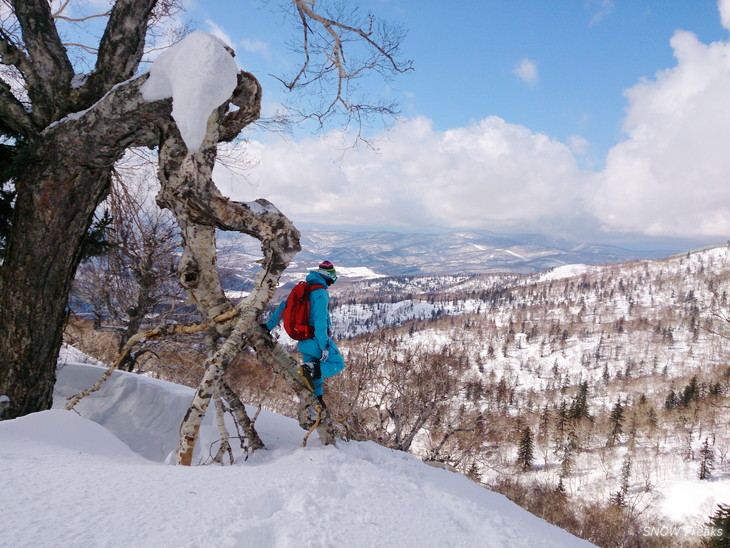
[[265, 327]]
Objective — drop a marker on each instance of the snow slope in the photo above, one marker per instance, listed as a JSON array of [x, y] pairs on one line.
[[68, 480]]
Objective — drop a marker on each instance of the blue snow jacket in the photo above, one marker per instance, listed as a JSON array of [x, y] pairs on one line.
[[319, 318]]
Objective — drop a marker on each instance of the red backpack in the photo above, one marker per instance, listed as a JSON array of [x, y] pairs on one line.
[[296, 313]]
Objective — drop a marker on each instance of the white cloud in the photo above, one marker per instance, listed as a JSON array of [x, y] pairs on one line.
[[256, 47], [670, 176], [526, 70], [579, 145], [603, 8], [724, 7], [489, 175]]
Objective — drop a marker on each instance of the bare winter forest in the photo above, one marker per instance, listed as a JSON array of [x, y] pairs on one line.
[[590, 395]]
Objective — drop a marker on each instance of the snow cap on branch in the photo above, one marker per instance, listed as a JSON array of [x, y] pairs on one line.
[[200, 74]]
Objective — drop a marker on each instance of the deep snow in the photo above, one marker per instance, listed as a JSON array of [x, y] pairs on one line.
[[68, 480], [200, 75]]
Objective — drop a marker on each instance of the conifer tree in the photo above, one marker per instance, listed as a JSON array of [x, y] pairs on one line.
[[707, 462], [561, 486], [720, 525], [691, 392], [473, 472], [652, 418], [619, 497], [671, 400], [567, 461], [525, 452], [579, 406], [561, 423], [543, 432], [617, 421]]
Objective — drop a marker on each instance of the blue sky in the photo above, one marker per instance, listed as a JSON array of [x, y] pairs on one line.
[[600, 120]]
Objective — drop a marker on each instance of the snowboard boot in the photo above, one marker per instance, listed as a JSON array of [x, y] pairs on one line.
[[310, 371]]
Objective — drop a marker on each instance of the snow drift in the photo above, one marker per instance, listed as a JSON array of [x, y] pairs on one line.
[[97, 479]]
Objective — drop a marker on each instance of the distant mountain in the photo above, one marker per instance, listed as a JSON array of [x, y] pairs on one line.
[[396, 254]]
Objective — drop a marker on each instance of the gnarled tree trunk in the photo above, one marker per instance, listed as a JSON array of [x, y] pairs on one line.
[[66, 132], [61, 170], [189, 192], [66, 176]]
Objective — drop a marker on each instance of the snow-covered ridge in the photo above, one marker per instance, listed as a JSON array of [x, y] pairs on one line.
[[566, 271], [357, 494], [396, 254]]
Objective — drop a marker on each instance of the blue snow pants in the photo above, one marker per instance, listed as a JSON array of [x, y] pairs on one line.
[[333, 365]]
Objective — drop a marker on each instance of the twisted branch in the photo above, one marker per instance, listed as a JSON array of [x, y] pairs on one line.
[[381, 41], [142, 336]]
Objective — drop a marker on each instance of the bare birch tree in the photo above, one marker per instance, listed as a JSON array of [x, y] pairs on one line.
[[135, 277]]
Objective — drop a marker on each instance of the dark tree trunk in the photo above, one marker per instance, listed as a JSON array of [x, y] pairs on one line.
[[55, 206], [63, 175], [62, 180]]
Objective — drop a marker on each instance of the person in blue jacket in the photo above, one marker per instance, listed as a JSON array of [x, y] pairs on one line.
[[321, 357]]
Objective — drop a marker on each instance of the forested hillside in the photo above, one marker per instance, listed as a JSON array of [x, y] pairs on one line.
[[607, 384]]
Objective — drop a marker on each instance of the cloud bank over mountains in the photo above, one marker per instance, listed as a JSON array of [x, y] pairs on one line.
[[669, 177]]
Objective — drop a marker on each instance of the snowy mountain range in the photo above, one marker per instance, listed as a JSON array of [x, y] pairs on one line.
[[395, 254], [648, 338]]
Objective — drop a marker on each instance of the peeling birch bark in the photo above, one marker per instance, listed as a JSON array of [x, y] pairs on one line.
[[188, 190], [212, 378], [225, 447], [239, 413]]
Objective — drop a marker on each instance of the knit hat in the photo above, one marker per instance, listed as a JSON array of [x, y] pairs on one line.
[[327, 269]]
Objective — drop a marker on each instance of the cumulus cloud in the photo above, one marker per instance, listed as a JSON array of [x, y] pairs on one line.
[[670, 176], [526, 70], [724, 7], [579, 145], [489, 175]]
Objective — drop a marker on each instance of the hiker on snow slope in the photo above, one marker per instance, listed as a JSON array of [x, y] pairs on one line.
[[320, 354]]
